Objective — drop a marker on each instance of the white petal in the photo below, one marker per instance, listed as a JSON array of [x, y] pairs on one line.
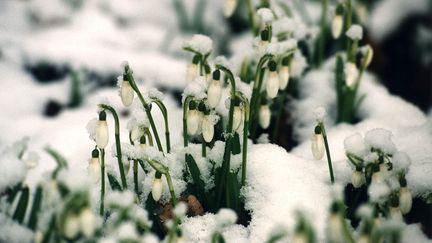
[[229, 7], [207, 129], [405, 200], [102, 134], [126, 93], [157, 189], [237, 117], [191, 73], [337, 24], [272, 86], [318, 146], [71, 226], [214, 93], [283, 77], [264, 116], [88, 221]]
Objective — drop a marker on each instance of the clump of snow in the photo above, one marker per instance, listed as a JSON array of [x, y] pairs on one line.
[[11, 231], [298, 64], [355, 145], [355, 32], [283, 25], [401, 162], [223, 61], [320, 113], [365, 211], [13, 170], [380, 138], [200, 43], [225, 217], [119, 199], [180, 210], [197, 88], [378, 192], [91, 128], [155, 94], [265, 15]]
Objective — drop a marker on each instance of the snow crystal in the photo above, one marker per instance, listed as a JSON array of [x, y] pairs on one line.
[[223, 61], [119, 199], [150, 238], [265, 15], [200, 43], [74, 180], [287, 45], [401, 162], [354, 144], [140, 215], [12, 170], [320, 113], [355, 32], [244, 88], [379, 138], [263, 138]]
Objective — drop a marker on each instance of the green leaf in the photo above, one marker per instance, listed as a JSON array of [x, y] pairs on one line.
[[236, 148], [12, 192], [114, 183], [340, 84], [21, 208], [59, 159], [233, 191], [196, 176], [35, 208]]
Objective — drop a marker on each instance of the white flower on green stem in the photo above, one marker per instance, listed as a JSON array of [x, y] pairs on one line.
[[358, 178], [126, 92], [283, 77], [87, 222], [193, 120], [355, 32], [272, 86], [157, 188], [395, 213], [335, 228], [101, 135], [94, 167], [263, 42], [192, 70], [237, 117], [229, 7], [126, 165], [136, 133], [351, 73], [377, 177], [207, 128], [214, 90], [405, 200], [264, 116], [71, 226], [317, 145], [337, 25]]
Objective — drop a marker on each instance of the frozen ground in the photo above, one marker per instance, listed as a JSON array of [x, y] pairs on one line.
[[280, 183]]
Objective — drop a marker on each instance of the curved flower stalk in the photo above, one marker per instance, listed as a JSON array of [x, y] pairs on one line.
[[128, 75], [245, 102], [164, 111], [162, 170], [117, 141]]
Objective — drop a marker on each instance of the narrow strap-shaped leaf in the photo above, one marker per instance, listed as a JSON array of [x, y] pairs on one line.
[[233, 191], [114, 183], [236, 144], [59, 159], [196, 176], [21, 208], [12, 192], [35, 208]]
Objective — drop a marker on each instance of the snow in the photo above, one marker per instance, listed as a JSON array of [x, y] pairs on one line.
[[320, 113], [401, 162], [13, 170], [355, 145], [11, 231], [265, 15], [379, 138], [200, 43], [355, 32]]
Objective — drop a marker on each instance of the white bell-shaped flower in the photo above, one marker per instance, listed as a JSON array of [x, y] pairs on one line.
[[272, 86], [351, 73], [405, 200], [229, 7], [358, 178], [101, 135], [264, 116], [193, 119], [207, 128], [336, 26], [283, 77], [136, 133], [157, 189], [263, 42], [192, 70], [237, 117], [88, 222], [71, 226], [214, 90], [317, 146], [395, 213], [126, 93], [94, 169], [335, 228]]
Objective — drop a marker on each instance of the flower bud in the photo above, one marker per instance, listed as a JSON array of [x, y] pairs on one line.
[[335, 228], [71, 226], [317, 144], [272, 86], [88, 221], [283, 77], [192, 70], [94, 167], [237, 117], [102, 131], [368, 55], [337, 24], [229, 7], [405, 200], [207, 129], [193, 118], [157, 187], [351, 73], [126, 92], [264, 116], [358, 178], [263, 42], [214, 90]]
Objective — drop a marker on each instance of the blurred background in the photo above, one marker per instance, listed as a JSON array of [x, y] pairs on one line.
[[54, 54]]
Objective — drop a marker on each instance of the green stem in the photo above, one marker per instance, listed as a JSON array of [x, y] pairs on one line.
[[149, 136], [348, 23], [171, 189], [135, 174], [181, 14], [118, 144], [281, 101], [245, 136], [324, 134], [251, 15], [164, 111], [321, 41], [185, 110], [147, 107], [102, 197], [203, 148], [33, 219]]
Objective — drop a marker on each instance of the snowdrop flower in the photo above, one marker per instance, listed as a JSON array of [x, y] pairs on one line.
[[405, 200], [214, 90], [358, 178], [263, 42], [284, 74], [317, 144], [102, 131], [126, 91], [157, 187], [229, 7], [355, 32], [207, 128], [337, 22], [94, 167], [87, 222], [71, 226], [264, 116], [368, 55], [136, 133], [193, 119], [335, 228], [237, 117], [351, 73], [142, 143], [192, 70], [377, 177], [272, 86], [395, 213]]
